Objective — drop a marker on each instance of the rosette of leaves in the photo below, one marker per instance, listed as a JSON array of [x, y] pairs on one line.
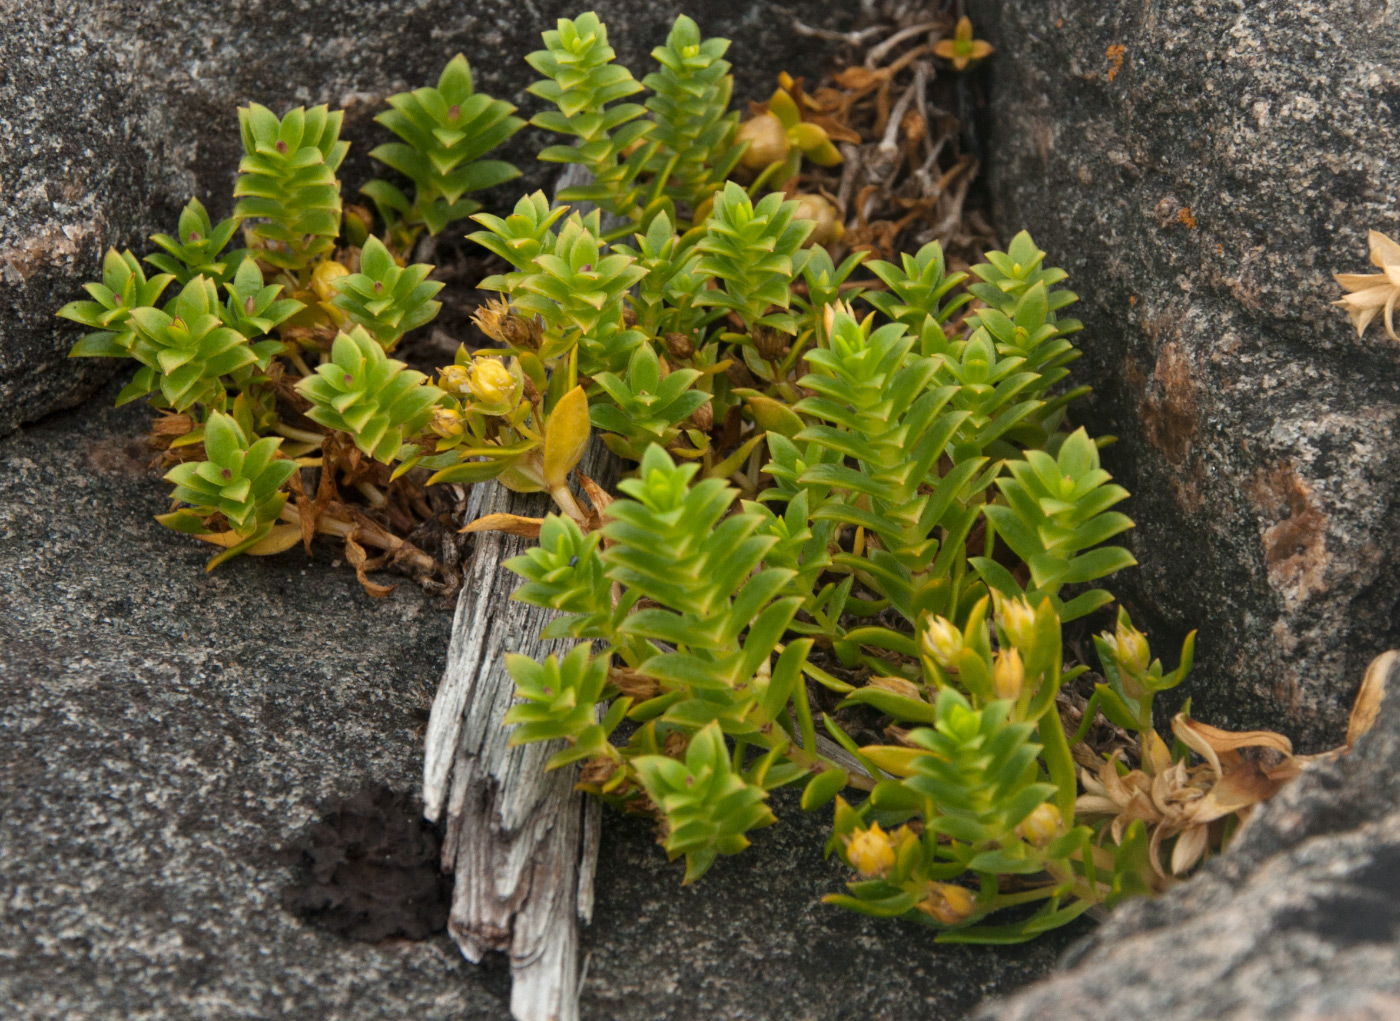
[[558, 700], [518, 239], [583, 82], [253, 307], [706, 806], [124, 287], [755, 251], [1056, 518], [579, 292], [445, 131], [920, 288], [827, 283], [198, 250], [286, 184], [690, 104], [377, 400], [666, 299], [1028, 328], [242, 481], [564, 573], [1006, 276], [386, 299], [640, 407], [188, 350]]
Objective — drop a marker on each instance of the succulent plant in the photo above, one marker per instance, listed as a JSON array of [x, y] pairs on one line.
[[124, 287], [445, 132], [706, 806], [287, 189], [611, 138], [240, 480], [579, 292], [188, 351], [518, 239], [384, 298], [690, 104], [643, 409], [198, 250], [754, 251], [919, 289], [378, 401], [557, 701], [1056, 517], [924, 516], [254, 308]]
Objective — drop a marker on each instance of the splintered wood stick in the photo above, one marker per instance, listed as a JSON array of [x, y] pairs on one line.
[[522, 843]]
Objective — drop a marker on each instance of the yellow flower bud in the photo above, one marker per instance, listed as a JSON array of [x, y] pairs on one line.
[[447, 422], [816, 208], [1018, 621], [949, 903], [1009, 674], [323, 277], [767, 138], [870, 851], [1130, 644], [1041, 826], [491, 381], [942, 641], [454, 379]]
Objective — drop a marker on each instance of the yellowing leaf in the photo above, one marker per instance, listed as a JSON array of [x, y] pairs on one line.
[[511, 524], [892, 758], [282, 537], [1369, 698], [784, 107], [566, 437]]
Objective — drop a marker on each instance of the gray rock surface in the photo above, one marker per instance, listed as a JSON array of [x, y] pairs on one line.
[[166, 734], [112, 115], [1300, 920], [1201, 168]]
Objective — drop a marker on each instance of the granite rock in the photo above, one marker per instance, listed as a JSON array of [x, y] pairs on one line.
[[112, 115], [1201, 168], [1299, 921], [185, 756]]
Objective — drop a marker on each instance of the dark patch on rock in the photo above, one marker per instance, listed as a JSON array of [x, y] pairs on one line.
[[368, 869], [162, 728], [1344, 919]]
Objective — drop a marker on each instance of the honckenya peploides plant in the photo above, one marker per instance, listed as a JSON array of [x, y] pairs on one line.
[[858, 516]]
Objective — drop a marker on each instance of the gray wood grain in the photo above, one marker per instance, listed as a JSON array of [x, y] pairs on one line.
[[522, 842]]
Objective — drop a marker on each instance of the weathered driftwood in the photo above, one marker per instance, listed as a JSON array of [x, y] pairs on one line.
[[522, 842]]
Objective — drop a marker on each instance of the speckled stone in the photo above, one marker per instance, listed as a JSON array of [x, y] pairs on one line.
[[1299, 921], [1201, 168], [166, 734], [113, 114]]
